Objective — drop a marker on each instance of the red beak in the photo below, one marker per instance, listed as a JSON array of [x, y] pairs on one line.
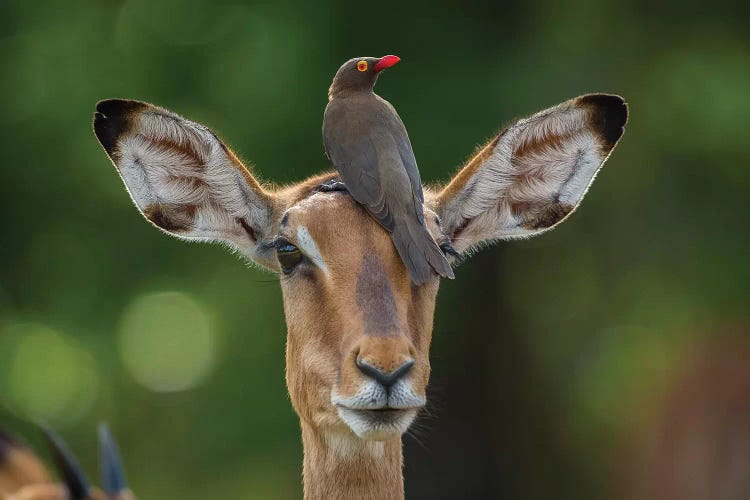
[[385, 62]]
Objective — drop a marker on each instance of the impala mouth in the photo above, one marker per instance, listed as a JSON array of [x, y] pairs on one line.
[[383, 412], [376, 412], [378, 424]]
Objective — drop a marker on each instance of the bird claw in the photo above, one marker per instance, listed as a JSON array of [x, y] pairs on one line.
[[332, 186]]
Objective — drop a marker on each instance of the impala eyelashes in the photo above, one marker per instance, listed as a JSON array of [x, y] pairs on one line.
[[288, 256]]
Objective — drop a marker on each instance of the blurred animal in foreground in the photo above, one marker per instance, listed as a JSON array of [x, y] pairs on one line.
[[358, 328], [23, 476]]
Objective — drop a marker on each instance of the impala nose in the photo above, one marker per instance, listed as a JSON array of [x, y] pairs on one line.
[[385, 378]]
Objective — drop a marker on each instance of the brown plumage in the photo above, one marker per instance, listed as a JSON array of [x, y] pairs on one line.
[[367, 143]]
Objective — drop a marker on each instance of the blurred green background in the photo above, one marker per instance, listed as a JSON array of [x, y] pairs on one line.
[[550, 357]]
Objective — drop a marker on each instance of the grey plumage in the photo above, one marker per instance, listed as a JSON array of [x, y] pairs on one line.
[[367, 142]]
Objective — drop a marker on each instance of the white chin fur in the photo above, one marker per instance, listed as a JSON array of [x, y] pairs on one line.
[[374, 428]]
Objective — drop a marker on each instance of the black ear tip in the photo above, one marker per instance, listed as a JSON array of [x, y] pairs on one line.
[[112, 119], [110, 107], [106, 131], [609, 114]]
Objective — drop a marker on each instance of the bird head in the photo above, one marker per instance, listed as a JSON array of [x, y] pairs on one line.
[[360, 73]]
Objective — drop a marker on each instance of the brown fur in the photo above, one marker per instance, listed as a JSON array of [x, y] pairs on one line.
[[328, 310], [536, 144], [174, 218], [19, 468], [248, 229], [187, 149], [246, 174], [378, 472], [543, 215], [375, 298]]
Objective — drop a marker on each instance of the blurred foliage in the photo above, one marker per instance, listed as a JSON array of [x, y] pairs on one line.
[[582, 328]]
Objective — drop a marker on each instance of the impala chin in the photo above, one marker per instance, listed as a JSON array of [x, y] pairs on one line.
[[375, 413], [378, 425]]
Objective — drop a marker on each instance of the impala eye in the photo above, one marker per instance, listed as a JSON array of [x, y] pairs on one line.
[[362, 65], [288, 256]]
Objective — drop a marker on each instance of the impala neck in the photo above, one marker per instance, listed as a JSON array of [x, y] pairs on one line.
[[342, 466]]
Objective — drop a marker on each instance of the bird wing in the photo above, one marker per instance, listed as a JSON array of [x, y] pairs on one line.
[[356, 159], [410, 162], [348, 140]]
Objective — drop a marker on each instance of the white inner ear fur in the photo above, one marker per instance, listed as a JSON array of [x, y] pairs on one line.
[[547, 170], [307, 245], [195, 172], [539, 165]]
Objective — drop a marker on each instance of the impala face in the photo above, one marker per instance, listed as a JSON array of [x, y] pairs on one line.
[[358, 331]]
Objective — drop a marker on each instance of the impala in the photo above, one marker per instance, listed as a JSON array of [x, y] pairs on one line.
[[358, 331], [24, 477]]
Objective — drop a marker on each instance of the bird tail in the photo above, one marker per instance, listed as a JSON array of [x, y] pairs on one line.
[[419, 252]]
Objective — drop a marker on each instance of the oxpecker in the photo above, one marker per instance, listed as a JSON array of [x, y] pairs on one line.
[[367, 142]]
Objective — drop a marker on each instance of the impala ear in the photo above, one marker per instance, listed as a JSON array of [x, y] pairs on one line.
[[182, 178], [533, 174]]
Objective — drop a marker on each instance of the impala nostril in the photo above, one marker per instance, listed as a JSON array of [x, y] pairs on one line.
[[386, 379]]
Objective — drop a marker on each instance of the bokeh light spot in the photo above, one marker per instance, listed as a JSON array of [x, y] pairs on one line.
[[49, 377], [167, 342]]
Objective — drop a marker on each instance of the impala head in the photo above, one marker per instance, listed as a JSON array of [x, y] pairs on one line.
[[358, 331], [24, 477]]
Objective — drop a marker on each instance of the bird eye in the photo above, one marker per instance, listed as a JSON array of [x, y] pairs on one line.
[[288, 256], [362, 65]]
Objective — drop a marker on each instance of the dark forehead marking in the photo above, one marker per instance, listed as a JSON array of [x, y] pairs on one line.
[[375, 298], [414, 316]]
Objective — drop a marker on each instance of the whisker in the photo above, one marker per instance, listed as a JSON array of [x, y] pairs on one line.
[[412, 433]]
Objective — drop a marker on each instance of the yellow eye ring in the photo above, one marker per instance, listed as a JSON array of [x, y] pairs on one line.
[[362, 65]]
